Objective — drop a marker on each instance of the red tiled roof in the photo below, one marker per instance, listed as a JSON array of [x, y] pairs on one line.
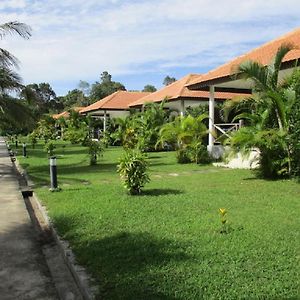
[[263, 54], [66, 114], [118, 100], [177, 90]]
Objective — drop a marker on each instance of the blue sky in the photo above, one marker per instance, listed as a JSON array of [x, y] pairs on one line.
[[138, 42]]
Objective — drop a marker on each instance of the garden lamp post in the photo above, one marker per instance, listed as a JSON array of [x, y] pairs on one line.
[[53, 174], [24, 150]]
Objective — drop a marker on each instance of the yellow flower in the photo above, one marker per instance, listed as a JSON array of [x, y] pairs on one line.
[[223, 211]]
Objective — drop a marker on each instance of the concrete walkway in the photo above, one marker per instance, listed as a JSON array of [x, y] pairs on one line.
[[23, 270]]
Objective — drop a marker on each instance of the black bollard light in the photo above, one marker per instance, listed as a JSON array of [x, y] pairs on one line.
[[16, 144], [24, 150], [53, 174]]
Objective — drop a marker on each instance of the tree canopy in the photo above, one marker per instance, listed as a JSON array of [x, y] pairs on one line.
[[149, 88], [12, 113], [168, 80], [105, 87]]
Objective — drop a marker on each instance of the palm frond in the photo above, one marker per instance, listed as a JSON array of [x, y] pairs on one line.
[[15, 27], [274, 68], [7, 59], [255, 71], [9, 80]]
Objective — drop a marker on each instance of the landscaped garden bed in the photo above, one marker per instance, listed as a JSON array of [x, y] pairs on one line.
[[168, 242]]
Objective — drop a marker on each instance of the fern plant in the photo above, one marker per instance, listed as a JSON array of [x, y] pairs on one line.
[[133, 171]]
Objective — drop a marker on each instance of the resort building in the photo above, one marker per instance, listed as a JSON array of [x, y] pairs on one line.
[[226, 79], [113, 106], [178, 97], [66, 114]]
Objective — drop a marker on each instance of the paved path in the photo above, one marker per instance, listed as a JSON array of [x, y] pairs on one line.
[[23, 271]]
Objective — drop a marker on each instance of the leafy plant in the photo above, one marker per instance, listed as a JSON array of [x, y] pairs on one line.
[[183, 156], [49, 148], [46, 129], [133, 171], [198, 153], [225, 228], [268, 115], [186, 135], [95, 150], [77, 130], [33, 139]]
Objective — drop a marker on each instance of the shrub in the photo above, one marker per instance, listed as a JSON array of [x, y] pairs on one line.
[[199, 154], [33, 139], [183, 156], [130, 138], [49, 148], [133, 171], [76, 135], [95, 150]]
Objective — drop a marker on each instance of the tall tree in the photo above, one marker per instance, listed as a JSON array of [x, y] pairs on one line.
[[149, 88], [168, 80], [7, 59], [41, 98], [12, 112], [85, 87], [268, 114], [74, 98], [105, 87]]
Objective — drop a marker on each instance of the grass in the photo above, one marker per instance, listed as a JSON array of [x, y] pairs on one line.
[[166, 243]]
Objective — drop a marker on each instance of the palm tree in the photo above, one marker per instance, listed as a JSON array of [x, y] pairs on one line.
[[266, 113], [11, 111], [185, 134], [7, 59]]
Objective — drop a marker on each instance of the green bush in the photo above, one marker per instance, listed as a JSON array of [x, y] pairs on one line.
[[183, 156], [95, 150], [133, 171], [199, 154], [32, 137], [77, 135], [49, 148]]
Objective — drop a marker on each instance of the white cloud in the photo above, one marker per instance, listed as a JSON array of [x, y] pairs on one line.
[[75, 39], [12, 4]]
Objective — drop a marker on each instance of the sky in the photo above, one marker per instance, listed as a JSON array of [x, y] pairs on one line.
[[138, 42]]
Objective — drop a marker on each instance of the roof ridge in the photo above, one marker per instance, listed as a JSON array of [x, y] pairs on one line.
[[282, 37], [184, 83]]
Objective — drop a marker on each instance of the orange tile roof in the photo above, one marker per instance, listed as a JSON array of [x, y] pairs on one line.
[[263, 54], [119, 100], [177, 90], [66, 114]]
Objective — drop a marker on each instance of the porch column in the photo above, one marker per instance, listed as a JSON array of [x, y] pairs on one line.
[[104, 121], [182, 108], [211, 106]]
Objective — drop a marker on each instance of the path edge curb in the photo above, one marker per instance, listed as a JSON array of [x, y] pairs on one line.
[[82, 279]]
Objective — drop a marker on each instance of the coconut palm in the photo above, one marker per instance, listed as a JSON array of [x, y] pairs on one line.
[[11, 111], [266, 114], [7, 59]]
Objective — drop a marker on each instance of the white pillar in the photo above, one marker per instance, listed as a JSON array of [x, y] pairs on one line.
[[211, 128], [182, 108], [104, 121]]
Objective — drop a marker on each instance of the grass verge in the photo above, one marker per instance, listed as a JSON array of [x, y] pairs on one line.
[[166, 243]]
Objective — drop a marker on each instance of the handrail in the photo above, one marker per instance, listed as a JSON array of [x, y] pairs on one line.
[[225, 131]]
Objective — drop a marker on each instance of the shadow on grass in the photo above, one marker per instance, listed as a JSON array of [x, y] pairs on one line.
[[158, 163], [127, 265], [160, 192], [100, 167]]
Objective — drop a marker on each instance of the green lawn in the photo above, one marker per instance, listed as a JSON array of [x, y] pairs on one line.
[[166, 243]]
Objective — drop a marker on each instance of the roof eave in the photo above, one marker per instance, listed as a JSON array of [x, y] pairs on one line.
[[204, 85]]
